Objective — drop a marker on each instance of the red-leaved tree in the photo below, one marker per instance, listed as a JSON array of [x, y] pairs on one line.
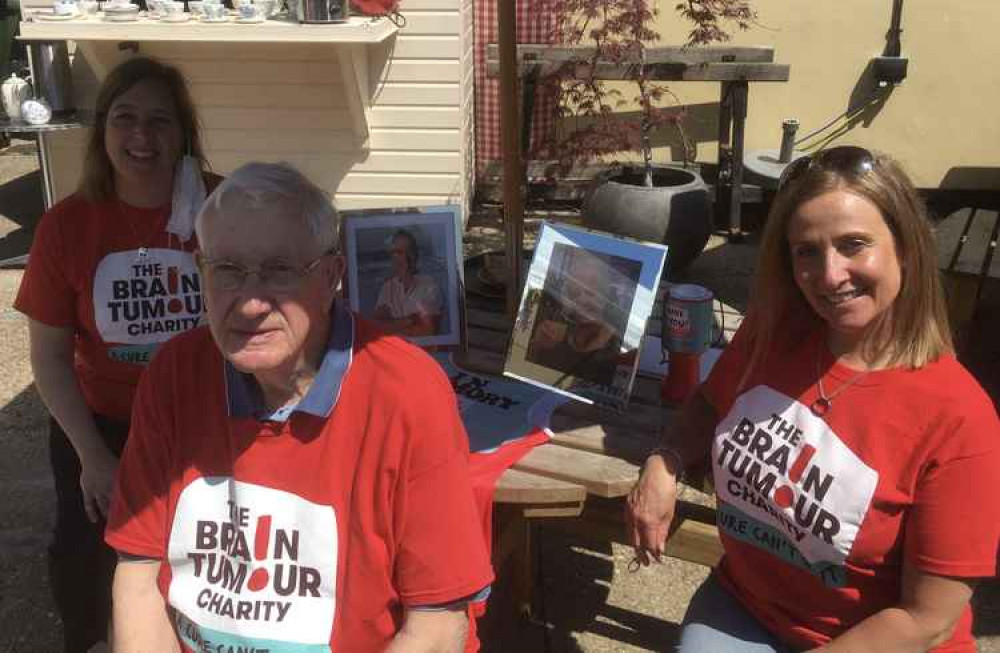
[[619, 32]]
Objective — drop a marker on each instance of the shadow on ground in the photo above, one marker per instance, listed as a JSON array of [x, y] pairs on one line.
[[573, 584], [27, 618], [21, 202]]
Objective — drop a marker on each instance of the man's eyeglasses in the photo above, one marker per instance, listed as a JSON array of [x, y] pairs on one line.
[[845, 159], [227, 276]]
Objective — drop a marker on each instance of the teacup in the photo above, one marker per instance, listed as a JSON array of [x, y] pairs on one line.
[[172, 9], [64, 7], [214, 10], [196, 7], [253, 12], [266, 6], [89, 7]]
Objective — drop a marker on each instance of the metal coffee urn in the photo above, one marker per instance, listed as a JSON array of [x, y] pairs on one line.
[[323, 11], [51, 76]]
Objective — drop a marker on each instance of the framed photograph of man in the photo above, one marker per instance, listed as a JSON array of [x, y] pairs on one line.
[[404, 272], [583, 312]]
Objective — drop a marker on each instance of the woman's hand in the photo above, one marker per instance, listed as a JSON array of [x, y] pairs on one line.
[[650, 509], [52, 364], [97, 481]]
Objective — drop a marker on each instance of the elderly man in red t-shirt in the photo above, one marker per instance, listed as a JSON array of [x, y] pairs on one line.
[[294, 479]]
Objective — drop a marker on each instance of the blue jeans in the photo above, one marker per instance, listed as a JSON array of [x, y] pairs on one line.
[[716, 622]]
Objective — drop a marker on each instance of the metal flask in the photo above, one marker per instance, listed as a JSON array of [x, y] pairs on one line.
[[323, 11], [51, 75]]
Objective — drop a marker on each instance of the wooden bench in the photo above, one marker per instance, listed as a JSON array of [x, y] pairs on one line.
[[966, 245]]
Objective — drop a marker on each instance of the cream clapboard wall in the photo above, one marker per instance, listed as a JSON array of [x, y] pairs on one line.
[[281, 102]]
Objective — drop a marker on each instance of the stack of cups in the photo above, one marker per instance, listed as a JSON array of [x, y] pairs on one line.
[[687, 334]]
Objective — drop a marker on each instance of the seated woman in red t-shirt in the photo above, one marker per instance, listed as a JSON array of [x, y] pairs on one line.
[[854, 459], [110, 277]]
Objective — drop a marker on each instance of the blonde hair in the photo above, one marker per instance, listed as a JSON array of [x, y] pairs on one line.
[[98, 181], [914, 331]]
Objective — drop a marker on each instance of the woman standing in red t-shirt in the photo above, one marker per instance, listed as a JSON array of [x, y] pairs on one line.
[[110, 277], [853, 458]]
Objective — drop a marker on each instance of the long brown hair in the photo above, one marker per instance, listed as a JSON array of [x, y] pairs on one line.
[[98, 181], [914, 331]]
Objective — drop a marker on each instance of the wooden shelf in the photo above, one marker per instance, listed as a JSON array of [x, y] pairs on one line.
[[356, 30], [352, 39]]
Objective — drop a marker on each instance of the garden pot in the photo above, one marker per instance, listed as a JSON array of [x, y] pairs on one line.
[[676, 211]]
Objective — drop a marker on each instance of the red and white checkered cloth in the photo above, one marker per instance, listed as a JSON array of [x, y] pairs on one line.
[[534, 25]]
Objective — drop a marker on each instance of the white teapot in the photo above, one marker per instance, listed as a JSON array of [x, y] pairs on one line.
[[14, 91]]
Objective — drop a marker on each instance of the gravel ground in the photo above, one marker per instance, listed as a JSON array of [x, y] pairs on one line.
[[589, 602]]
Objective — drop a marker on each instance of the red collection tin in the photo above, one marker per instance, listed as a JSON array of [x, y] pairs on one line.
[[688, 324]]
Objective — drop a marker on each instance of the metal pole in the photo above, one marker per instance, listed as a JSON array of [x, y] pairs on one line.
[[44, 155], [788, 129], [513, 173], [740, 90]]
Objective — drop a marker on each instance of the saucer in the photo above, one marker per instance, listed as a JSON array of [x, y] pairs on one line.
[[216, 21], [50, 15], [176, 18], [249, 21], [121, 18]]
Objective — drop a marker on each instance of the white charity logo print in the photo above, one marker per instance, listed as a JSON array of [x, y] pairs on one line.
[[146, 301], [253, 561], [776, 461]]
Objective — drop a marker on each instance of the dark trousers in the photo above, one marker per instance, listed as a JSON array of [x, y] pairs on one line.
[[81, 565]]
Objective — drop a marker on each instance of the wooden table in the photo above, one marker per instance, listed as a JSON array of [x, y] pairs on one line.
[[578, 481], [732, 67]]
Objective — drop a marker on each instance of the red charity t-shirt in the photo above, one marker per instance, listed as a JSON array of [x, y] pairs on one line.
[[311, 533], [84, 273], [818, 515]]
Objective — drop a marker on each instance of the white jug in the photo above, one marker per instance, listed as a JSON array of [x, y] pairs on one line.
[[14, 91]]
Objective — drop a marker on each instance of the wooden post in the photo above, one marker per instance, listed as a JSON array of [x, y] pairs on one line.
[[513, 172]]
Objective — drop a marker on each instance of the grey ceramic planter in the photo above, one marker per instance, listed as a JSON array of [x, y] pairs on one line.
[[675, 211]]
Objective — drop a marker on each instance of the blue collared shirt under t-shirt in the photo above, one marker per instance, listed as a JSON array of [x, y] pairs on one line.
[[246, 400]]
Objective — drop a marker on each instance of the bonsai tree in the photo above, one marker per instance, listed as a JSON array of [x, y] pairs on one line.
[[619, 32]]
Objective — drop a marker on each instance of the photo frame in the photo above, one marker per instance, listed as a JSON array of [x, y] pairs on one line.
[[583, 312], [404, 270]]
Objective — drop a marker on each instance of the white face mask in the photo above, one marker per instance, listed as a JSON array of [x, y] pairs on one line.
[[189, 195]]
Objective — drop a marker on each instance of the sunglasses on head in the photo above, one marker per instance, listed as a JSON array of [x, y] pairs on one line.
[[844, 159]]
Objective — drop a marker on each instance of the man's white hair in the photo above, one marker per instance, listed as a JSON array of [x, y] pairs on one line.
[[279, 187]]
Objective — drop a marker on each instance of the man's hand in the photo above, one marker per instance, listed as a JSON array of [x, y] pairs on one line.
[[97, 481], [650, 509], [140, 622], [432, 631]]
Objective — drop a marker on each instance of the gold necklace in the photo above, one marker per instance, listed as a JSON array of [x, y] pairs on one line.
[[824, 402]]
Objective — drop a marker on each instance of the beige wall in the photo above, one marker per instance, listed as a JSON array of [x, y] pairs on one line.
[[943, 122]]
